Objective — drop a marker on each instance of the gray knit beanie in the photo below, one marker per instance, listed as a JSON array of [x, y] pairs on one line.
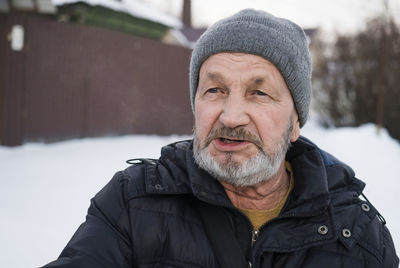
[[278, 40]]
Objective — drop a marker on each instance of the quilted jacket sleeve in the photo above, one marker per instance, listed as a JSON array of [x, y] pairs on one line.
[[103, 240]]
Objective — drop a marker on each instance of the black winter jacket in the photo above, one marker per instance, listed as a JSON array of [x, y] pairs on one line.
[[145, 217]]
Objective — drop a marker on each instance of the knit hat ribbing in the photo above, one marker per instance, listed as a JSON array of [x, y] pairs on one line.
[[278, 40]]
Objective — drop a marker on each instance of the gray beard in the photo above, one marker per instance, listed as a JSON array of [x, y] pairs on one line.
[[257, 169]]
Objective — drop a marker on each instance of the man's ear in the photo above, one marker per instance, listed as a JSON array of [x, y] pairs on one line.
[[296, 130]]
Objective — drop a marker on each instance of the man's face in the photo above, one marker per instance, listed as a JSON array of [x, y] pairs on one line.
[[243, 111]]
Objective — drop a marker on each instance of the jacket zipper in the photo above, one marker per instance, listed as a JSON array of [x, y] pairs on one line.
[[249, 224], [255, 234]]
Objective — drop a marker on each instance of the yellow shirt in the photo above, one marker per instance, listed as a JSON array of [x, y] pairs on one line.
[[259, 217]]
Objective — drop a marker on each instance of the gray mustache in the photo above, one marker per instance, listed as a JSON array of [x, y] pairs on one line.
[[237, 133]]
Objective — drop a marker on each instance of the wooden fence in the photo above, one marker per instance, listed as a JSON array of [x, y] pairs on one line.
[[74, 81]]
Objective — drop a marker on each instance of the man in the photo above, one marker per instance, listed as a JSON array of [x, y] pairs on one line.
[[248, 191]]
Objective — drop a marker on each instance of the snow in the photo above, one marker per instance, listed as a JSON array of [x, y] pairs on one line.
[[133, 7], [45, 188]]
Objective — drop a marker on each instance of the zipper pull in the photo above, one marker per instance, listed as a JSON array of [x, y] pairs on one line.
[[254, 236]]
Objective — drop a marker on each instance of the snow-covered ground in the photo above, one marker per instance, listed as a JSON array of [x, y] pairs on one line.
[[45, 188]]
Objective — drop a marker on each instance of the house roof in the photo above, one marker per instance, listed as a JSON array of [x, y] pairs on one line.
[[132, 7]]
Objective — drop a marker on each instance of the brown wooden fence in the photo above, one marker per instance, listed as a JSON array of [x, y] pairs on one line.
[[77, 81]]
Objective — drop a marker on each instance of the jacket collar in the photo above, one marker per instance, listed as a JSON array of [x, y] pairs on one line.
[[177, 173]]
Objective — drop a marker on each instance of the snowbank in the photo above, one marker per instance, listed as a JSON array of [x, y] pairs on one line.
[[45, 188]]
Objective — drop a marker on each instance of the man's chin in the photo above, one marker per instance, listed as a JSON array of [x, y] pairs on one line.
[[237, 168], [231, 158]]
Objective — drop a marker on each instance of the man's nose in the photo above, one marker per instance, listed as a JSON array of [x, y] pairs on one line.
[[234, 112]]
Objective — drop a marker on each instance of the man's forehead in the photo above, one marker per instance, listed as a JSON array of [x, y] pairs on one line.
[[237, 57], [218, 66], [220, 77]]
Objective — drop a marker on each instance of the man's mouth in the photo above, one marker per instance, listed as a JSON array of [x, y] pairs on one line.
[[228, 140], [229, 144]]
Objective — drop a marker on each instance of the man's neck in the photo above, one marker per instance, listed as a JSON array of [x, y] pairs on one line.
[[263, 196]]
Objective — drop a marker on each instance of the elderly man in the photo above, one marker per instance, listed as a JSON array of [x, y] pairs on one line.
[[248, 191]]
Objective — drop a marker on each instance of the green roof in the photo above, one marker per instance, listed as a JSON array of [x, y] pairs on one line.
[[100, 16]]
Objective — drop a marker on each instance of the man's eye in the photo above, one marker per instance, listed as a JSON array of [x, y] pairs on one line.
[[259, 93], [213, 90]]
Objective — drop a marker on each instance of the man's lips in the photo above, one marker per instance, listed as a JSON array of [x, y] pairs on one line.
[[229, 139], [232, 139], [229, 144]]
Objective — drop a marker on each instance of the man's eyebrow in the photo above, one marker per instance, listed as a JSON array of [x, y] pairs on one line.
[[214, 76], [259, 80], [256, 80]]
